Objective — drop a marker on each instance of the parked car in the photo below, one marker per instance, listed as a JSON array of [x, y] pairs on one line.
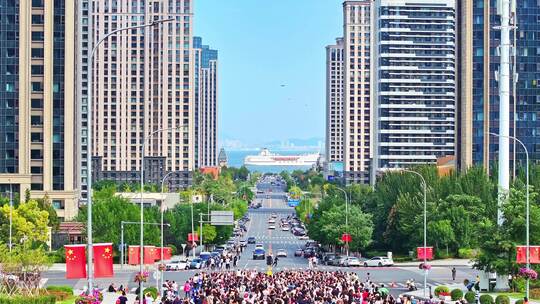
[[336, 261], [282, 253], [251, 240], [327, 258], [259, 254], [196, 263], [351, 261], [205, 255], [177, 265], [285, 228], [243, 243], [298, 252], [378, 261]]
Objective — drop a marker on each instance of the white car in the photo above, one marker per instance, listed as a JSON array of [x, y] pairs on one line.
[[351, 261], [285, 228], [282, 253], [378, 261], [272, 227], [303, 237], [271, 221], [177, 265]]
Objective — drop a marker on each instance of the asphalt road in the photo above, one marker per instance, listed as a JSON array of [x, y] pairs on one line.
[[273, 201]]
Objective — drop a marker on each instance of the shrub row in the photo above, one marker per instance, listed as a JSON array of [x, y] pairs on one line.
[[48, 299]]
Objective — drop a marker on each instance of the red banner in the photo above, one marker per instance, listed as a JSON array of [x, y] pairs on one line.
[[134, 255], [167, 253], [534, 254], [427, 252], [75, 261], [150, 254], [192, 237], [103, 260]]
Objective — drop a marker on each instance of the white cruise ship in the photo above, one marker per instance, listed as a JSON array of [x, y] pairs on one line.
[[266, 158]]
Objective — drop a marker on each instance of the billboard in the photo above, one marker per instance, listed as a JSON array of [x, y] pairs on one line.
[[221, 218]]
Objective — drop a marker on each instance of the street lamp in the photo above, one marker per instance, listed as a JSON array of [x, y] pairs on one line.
[[149, 136], [89, 142], [346, 215], [162, 209], [10, 215], [527, 216], [424, 186]]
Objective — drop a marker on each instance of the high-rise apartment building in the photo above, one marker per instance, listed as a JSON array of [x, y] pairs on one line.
[[415, 82], [334, 101], [357, 16], [480, 102], [143, 82], [83, 47], [37, 100], [206, 86]]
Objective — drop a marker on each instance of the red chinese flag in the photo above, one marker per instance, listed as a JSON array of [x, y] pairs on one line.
[[167, 253], [534, 254], [134, 255], [422, 252], [192, 237], [149, 254], [103, 260], [521, 255], [75, 261]]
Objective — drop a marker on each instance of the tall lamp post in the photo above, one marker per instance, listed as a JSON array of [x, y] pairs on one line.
[[527, 208], [424, 188], [89, 142], [148, 137], [11, 215], [346, 215], [162, 209]]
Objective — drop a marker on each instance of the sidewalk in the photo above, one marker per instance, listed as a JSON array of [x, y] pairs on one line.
[[445, 262], [419, 294]]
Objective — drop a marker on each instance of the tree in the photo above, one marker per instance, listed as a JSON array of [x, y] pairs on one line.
[[441, 233], [295, 192], [244, 192], [332, 225], [30, 223], [239, 208], [209, 233]]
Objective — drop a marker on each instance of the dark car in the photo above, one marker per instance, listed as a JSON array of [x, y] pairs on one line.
[[251, 240], [259, 254], [309, 252], [327, 259], [298, 252]]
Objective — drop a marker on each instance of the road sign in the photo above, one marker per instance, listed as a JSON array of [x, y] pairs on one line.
[[221, 218]]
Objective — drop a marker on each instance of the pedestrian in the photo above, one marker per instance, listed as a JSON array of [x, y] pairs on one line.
[[122, 299], [453, 273], [235, 260], [187, 288], [275, 262]]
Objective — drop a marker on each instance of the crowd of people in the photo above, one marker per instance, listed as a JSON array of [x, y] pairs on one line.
[[284, 287]]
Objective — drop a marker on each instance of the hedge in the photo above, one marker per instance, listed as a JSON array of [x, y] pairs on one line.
[[486, 299], [456, 294], [152, 291], [440, 289], [502, 299], [28, 300], [520, 301], [470, 297], [64, 288]]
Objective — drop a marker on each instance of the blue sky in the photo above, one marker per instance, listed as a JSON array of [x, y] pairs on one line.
[[264, 44]]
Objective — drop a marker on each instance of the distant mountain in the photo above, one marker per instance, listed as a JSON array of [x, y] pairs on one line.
[[313, 143]]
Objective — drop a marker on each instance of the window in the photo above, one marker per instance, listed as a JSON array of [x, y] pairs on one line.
[[37, 86], [58, 204], [36, 154], [38, 36], [37, 3], [37, 69], [36, 120], [37, 103], [36, 137], [38, 19], [36, 170], [37, 53]]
